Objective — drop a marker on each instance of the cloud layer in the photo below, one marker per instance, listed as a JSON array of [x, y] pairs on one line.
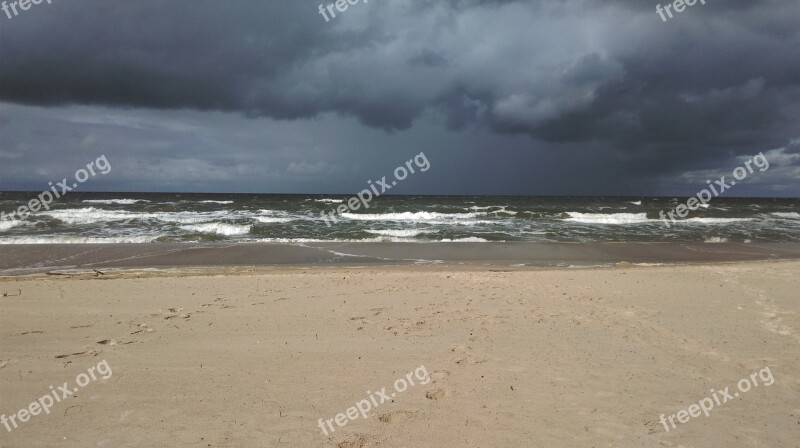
[[715, 82]]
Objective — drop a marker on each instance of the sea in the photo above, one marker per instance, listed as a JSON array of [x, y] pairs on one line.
[[243, 218]]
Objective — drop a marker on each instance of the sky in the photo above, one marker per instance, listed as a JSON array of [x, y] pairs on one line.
[[537, 97]]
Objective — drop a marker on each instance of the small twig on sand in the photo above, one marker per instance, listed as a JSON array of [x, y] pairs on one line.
[[19, 293]]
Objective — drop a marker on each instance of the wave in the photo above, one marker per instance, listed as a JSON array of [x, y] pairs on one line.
[[407, 216], [475, 208], [216, 202], [399, 233], [377, 239], [503, 210], [266, 211], [114, 201], [218, 228], [716, 239], [91, 215], [64, 239], [715, 220], [332, 201], [6, 225], [490, 209], [87, 215], [636, 202], [183, 217], [606, 218], [470, 239], [789, 215], [641, 218], [272, 219]]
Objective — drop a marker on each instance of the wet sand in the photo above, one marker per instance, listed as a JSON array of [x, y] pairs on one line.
[[27, 259]]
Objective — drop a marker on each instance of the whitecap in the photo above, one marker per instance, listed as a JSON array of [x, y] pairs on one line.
[[398, 233], [610, 218], [789, 215], [6, 225], [470, 239], [715, 220], [114, 201], [407, 216], [64, 239], [218, 228], [272, 220]]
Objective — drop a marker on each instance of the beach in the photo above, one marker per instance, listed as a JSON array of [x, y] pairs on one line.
[[489, 224], [515, 354]]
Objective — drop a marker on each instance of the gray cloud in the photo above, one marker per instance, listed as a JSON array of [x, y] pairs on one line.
[[608, 80]]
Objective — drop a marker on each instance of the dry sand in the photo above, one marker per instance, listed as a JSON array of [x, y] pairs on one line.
[[518, 356]]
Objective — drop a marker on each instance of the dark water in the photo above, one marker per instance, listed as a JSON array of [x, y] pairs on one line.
[[139, 218]]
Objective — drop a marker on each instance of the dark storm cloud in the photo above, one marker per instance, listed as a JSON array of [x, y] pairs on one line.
[[719, 81], [716, 81]]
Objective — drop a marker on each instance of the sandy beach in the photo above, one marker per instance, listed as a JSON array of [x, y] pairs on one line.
[[410, 224], [512, 356]]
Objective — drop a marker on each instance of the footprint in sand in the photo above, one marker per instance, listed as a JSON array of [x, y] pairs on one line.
[[439, 375], [396, 416], [467, 359], [172, 313], [142, 328], [362, 321], [359, 441], [465, 355], [436, 394]]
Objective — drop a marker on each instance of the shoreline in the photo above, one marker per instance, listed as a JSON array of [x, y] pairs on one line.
[[20, 260]]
